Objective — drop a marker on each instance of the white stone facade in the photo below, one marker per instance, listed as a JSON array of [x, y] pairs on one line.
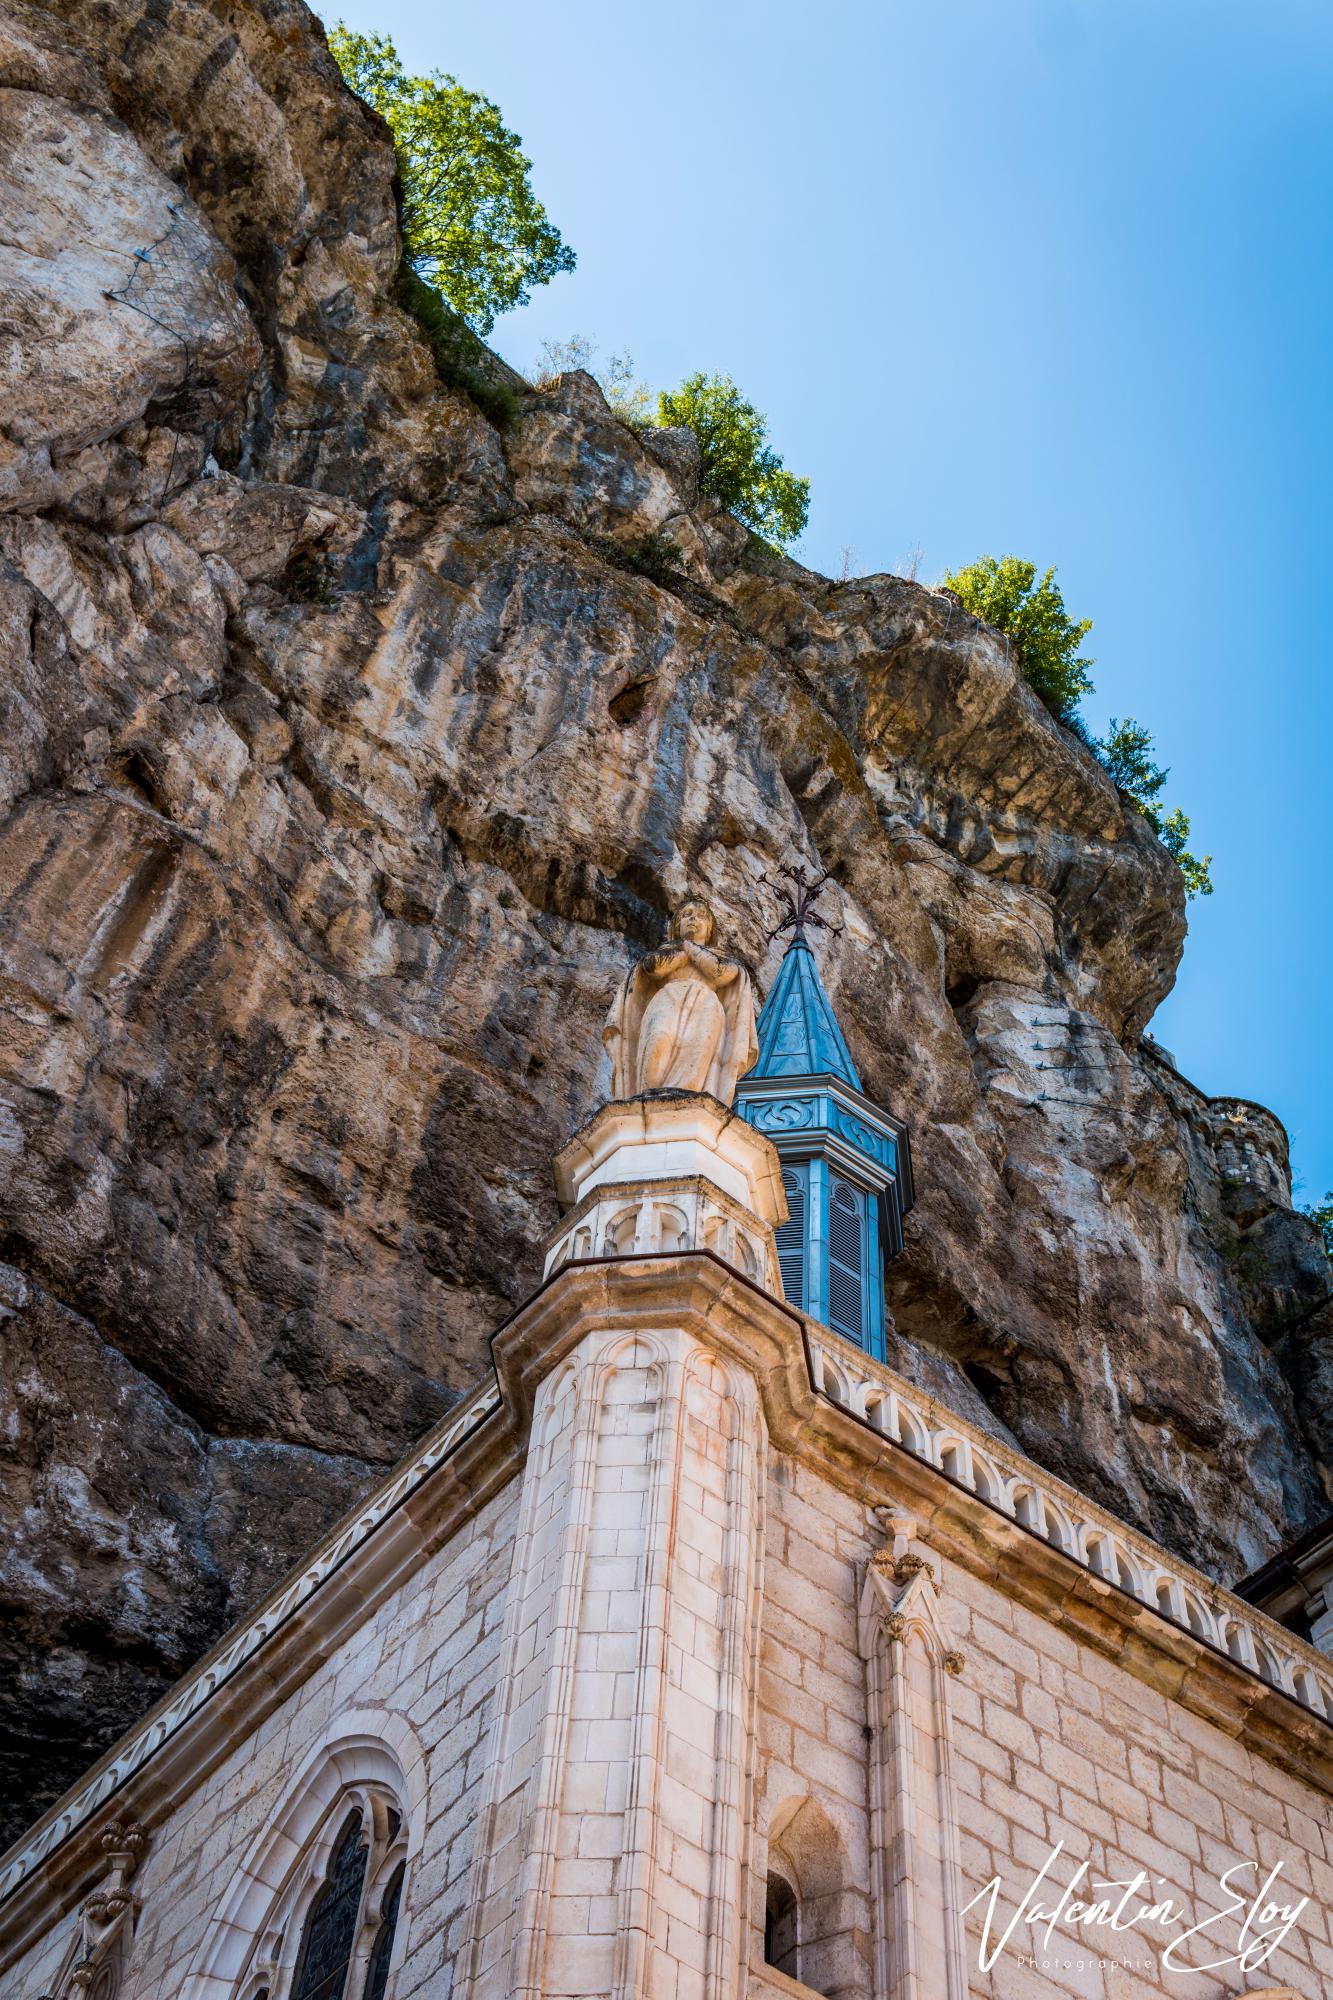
[[697, 1658]]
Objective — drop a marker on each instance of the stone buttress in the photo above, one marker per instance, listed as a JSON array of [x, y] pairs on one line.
[[611, 1849]]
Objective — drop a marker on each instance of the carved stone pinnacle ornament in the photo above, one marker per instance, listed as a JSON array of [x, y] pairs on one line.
[[903, 1568], [125, 1837]]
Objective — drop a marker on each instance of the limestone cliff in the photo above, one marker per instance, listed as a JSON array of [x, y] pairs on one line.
[[350, 749]]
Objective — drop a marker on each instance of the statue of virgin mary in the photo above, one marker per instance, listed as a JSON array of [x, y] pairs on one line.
[[684, 1016]]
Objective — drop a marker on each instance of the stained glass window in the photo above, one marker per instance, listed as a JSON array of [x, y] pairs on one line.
[[378, 1976], [330, 1930]]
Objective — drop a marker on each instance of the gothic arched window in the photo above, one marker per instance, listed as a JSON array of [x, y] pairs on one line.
[[815, 1917], [331, 1935]]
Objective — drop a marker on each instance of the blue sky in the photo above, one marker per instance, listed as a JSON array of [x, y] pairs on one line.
[[1042, 277]]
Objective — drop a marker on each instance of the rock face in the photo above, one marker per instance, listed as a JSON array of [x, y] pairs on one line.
[[350, 750]]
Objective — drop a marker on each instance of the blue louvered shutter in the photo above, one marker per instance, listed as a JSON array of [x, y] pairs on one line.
[[847, 1260], [791, 1236]]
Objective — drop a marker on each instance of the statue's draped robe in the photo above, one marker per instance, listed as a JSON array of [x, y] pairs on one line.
[[684, 1032]]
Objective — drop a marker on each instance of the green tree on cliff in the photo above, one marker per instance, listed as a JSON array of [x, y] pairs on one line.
[[472, 226], [1321, 1214], [738, 466], [1126, 751], [1004, 591]]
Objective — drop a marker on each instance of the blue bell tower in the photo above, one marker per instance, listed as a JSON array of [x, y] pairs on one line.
[[846, 1164]]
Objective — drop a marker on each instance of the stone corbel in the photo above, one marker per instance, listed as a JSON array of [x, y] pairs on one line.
[[915, 1877], [107, 1917]]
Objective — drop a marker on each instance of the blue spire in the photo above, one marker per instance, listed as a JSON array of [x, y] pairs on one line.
[[846, 1164], [798, 1030]]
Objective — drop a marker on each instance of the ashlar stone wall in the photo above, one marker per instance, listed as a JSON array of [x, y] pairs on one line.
[[1055, 1743], [1050, 1742]]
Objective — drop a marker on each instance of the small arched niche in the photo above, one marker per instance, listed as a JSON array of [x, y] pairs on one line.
[[621, 1232], [673, 1229], [780, 1931], [816, 1920]]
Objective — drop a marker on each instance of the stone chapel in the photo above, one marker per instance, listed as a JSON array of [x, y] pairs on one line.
[[697, 1655]]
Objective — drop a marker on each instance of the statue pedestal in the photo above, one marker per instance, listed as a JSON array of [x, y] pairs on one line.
[[666, 1172], [611, 1852]]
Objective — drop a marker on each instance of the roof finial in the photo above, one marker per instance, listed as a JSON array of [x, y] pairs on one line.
[[798, 901]]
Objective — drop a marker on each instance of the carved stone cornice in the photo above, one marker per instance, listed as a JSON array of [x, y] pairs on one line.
[[1195, 1624]]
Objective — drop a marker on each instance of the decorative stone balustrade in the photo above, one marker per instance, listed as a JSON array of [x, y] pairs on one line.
[[671, 1171], [661, 1218], [1045, 1506]]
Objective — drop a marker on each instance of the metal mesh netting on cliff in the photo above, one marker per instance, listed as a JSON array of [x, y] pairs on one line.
[[170, 282], [166, 285]]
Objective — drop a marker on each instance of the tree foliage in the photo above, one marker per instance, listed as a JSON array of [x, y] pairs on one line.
[[472, 225], [1126, 751], [1004, 592], [1321, 1214], [737, 465], [1173, 834]]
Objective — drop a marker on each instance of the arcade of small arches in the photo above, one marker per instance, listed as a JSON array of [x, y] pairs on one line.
[[675, 1217]]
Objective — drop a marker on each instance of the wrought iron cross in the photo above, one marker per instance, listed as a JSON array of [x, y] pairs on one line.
[[798, 901]]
